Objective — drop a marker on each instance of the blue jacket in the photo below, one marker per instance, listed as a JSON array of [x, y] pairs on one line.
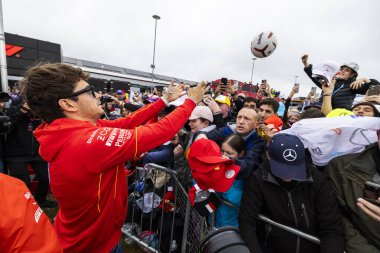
[[254, 146], [226, 215]]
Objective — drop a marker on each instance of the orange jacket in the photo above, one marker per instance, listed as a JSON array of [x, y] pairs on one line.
[[24, 227]]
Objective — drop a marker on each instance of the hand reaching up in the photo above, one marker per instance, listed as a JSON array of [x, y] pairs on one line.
[[174, 92], [196, 93]]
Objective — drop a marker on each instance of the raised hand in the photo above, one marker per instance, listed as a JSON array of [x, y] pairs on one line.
[[304, 60], [174, 92], [196, 93], [328, 89], [230, 88], [210, 102]]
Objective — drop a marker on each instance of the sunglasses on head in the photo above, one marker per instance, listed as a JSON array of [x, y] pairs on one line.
[[84, 90]]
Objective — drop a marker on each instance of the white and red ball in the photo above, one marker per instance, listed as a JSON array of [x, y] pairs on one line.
[[264, 44]]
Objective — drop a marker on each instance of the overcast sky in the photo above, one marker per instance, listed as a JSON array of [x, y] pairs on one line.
[[206, 39]]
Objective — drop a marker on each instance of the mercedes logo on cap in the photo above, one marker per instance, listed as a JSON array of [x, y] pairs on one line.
[[289, 155]]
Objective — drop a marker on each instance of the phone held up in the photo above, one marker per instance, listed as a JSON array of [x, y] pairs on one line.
[[223, 84], [371, 191], [313, 89], [373, 90], [297, 87]]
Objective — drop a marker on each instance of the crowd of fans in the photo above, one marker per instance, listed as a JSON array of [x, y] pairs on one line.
[[290, 167]]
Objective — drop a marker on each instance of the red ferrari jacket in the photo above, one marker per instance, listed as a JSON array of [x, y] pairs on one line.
[[87, 173], [23, 225]]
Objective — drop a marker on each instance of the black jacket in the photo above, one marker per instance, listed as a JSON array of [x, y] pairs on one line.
[[20, 140], [309, 206], [343, 95]]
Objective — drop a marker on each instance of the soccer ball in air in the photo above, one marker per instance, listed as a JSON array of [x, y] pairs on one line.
[[263, 44]]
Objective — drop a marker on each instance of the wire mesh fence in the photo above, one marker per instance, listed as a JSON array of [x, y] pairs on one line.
[[160, 217]]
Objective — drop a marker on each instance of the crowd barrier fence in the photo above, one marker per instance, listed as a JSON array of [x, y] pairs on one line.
[[160, 217]]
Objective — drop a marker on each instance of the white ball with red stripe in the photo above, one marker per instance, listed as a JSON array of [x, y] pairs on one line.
[[264, 44]]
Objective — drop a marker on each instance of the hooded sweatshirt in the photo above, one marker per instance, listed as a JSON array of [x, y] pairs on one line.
[[87, 172]]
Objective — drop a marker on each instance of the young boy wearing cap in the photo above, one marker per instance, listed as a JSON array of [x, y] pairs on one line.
[[346, 87], [290, 191]]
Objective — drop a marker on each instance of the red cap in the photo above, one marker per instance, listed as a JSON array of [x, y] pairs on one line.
[[275, 120], [209, 168]]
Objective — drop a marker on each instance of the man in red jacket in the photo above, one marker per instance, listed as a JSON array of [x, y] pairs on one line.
[[87, 154]]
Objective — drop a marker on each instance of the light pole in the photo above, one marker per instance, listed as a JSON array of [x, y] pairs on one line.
[[253, 66], [156, 17], [3, 56]]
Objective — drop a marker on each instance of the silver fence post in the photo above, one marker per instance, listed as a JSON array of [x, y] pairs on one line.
[[186, 226]]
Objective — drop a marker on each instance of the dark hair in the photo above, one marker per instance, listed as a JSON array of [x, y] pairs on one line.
[[45, 84], [203, 120], [250, 99], [236, 142], [376, 113], [271, 102], [312, 113]]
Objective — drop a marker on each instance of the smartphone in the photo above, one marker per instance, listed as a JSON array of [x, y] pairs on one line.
[[297, 86], [373, 90], [371, 190], [313, 89], [223, 85]]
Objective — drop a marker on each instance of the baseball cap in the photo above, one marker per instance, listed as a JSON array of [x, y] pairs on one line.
[[209, 168], [275, 120], [223, 99], [326, 69], [202, 112], [287, 157], [120, 92], [352, 65], [339, 112]]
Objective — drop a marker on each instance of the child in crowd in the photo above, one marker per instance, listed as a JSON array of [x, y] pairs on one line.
[[233, 147]]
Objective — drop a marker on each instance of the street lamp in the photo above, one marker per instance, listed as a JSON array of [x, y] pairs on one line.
[[253, 66], [156, 17]]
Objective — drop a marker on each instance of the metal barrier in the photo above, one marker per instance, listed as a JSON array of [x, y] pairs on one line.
[[157, 223], [294, 231], [160, 217]]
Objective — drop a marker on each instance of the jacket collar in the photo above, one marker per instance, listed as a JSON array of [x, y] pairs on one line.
[[232, 126]]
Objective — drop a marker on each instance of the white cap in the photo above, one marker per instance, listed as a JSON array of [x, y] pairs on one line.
[[202, 112], [352, 65]]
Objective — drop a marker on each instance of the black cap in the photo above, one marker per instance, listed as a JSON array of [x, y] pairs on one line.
[[287, 157], [131, 107]]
